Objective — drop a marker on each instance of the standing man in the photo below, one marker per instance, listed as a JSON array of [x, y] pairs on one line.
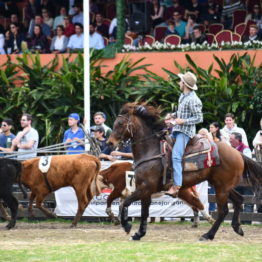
[[99, 119], [188, 115], [74, 136], [27, 139], [230, 127], [6, 137]]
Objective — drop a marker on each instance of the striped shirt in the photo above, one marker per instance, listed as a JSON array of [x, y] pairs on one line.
[[189, 109]]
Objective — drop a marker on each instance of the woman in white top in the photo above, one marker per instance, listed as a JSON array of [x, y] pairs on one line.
[[46, 18], [258, 138], [59, 42]]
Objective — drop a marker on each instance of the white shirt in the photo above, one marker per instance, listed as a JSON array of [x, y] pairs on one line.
[[258, 139], [58, 45], [2, 43], [96, 41], [76, 42]]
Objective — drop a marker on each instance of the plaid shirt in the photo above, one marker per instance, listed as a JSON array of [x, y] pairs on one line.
[[189, 109]]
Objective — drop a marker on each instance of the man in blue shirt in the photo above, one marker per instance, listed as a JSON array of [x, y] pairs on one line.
[[6, 137], [74, 136]]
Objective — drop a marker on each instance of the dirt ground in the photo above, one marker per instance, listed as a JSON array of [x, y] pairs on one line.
[[30, 234]]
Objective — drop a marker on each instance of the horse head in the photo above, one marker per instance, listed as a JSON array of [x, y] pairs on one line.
[[135, 118]]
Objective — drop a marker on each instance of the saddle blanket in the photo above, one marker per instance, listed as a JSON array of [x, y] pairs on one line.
[[198, 161], [44, 163]]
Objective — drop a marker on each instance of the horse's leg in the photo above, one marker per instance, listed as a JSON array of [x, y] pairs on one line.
[[30, 205], [206, 216], [145, 203], [222, 208], [114, 195], [12, 203], [196, 217], [39, 204], [237, 200], [4, 212]]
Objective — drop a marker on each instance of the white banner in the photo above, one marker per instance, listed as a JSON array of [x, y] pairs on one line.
[[164, 206]]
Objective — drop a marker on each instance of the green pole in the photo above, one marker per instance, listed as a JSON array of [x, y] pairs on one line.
[[120, 14]]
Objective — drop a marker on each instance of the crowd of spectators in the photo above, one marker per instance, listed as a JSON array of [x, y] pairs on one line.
[[48, 26]]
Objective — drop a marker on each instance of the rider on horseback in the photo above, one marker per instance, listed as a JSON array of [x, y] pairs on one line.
[[189, 114]]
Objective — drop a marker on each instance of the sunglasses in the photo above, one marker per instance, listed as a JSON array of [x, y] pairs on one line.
[[4, 125]]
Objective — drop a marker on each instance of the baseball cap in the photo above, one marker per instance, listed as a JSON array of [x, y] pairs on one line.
[[98, 129], [75, 116]]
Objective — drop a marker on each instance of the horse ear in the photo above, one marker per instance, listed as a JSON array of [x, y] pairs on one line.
[[140, 109]]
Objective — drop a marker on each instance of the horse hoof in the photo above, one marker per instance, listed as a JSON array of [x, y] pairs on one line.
[[204, 238], [73, 226], [116, 222], [239, 231], [194, 225], [127, 228], [8, 226], [135, 237]]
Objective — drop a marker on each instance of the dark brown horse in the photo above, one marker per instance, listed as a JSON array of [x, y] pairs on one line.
[[141, 124], [78, 171], [115, 177]]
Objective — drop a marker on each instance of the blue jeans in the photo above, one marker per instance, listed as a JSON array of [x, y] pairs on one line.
[[177, 155]]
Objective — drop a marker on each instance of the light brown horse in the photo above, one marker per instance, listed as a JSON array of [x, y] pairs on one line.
[[115, 177], [78, 171], [141, 124]]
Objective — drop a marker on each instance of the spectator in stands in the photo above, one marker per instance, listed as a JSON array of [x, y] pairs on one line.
[[74, 136], [157, 13], [71, 9], [59, 20], [78, 16], [46, 18], [123, 152], [14, 39], [204, 133], [49, 5], [68, 26], [6, 137], [93, 7], [100, 119], [191, 23], [253, 34], [236, 142], [198, 36], [39, 42], [100, 26], [14, 19], [230, 127], [180, 25], [59, 42], [2, 40], [212, 13], [255, 15], [214, 129], [8, 7], [76, 41], [32, 8], [258, 138], [193, 8], [176, 7], [99, 134], [26, 140], [227, 12], [46, 30], [113, 29], [171, 30], [96, 41]]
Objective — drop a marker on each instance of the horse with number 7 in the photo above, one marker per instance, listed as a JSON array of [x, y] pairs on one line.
[[142, 124]]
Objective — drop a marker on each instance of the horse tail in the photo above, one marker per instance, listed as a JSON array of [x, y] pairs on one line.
[[253, 173], [19, 168], [95, 184]]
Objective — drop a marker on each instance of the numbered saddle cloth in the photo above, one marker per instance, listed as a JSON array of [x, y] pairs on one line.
[[44, 163]]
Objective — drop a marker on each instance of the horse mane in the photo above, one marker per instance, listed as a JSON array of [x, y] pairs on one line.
[[149, 114]]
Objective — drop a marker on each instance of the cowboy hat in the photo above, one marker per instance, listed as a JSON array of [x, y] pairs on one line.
[[189, 79]]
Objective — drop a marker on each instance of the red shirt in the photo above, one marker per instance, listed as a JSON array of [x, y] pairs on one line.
[[69, 30]]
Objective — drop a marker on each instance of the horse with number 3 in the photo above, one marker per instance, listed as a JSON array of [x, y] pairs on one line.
[[141, 124]]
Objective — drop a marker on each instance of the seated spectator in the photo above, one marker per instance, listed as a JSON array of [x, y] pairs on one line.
[[14, 40], [46, 30], [99, 134], [157, 13], [212, 14], [76, 41], [59, 42], [253, 34], [176, 7], [255, 15], [171, 30], [38, 41], [46, 18], [193, 8], [214, 129], [191, 23], [113, 29], [2, 40], [101, 28], [180, 25], [124, 152], [8, 7], [59, 20], [78, 16], [49, 5], [258, 138], [32, 8], [69, 28], [14, 19], [96, 41], [198, 37]]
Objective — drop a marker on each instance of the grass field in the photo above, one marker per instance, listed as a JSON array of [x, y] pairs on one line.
[[55, 241]]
